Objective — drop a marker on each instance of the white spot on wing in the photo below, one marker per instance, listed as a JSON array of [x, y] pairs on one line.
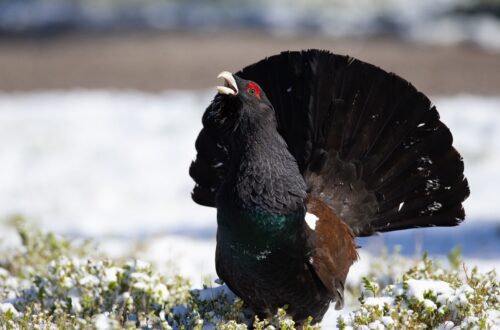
[[401, 206], [311, 220], [263, 255]]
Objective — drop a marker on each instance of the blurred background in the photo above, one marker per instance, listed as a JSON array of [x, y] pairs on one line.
[[442, 46], [101, 101]]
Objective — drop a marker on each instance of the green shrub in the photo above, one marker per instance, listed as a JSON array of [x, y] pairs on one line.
[[51, 282], [428, 296]]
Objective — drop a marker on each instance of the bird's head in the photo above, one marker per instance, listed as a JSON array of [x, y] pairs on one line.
[[241, 100]]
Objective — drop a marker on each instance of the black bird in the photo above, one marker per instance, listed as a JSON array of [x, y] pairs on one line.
[[357, 146]]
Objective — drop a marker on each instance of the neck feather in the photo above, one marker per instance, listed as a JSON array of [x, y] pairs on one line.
[[263, 175]]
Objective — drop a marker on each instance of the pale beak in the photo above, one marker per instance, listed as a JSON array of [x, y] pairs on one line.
[[230, 87]]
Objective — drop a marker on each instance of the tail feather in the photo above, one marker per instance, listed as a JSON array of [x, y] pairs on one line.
[[368, 142], [403, 160], [395, 136]]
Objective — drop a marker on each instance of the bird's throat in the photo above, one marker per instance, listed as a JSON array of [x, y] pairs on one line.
[[260, 204]]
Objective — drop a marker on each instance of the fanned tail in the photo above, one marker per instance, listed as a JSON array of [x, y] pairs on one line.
[[367, 142]]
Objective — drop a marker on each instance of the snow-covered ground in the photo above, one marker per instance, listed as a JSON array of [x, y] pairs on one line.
[[113, 166]]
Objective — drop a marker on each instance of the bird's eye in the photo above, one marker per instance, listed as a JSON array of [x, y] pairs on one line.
[[253, 89]]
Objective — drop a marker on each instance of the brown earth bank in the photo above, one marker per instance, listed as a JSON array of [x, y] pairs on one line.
[[156, 62]]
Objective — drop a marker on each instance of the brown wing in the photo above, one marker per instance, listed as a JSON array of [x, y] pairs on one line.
[[332, 247]]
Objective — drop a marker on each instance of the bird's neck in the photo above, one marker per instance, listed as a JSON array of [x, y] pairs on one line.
[[260, 204], [263, 175]]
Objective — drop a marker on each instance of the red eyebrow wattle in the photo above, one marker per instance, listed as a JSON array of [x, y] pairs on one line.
[[255, 87]]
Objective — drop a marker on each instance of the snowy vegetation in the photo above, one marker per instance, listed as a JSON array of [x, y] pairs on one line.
[[428, 297], [51, 282]]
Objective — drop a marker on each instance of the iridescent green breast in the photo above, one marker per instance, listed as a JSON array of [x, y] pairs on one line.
[[257, 234]]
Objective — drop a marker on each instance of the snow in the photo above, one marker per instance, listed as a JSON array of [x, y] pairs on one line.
[[89, 280], [161, 291], [474, 123], [429, 304], [379, 301], [447, 325], [102, 322], [387, 321], [101, 163], [417, 288], [213, 293], [111, 275], [8, 308]]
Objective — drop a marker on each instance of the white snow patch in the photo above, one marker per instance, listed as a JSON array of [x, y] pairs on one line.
[[101, 162], [89, 280], [447, 325], [417, 288], [110, 274], [102, 322], [379, 301], [8, 308], [387, 321], [214, 293], [429, 304]]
